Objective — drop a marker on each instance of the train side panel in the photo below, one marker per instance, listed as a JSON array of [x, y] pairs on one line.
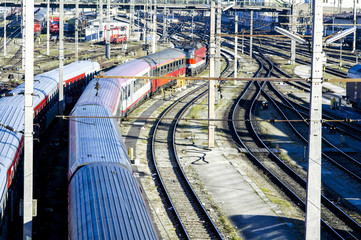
[[110, 91], [353, 89]]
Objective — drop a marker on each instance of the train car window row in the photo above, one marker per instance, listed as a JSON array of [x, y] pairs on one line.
[[138, 83]]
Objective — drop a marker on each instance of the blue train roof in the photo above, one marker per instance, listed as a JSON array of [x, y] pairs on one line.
[[355, 71], [100, 138], [105, 203]]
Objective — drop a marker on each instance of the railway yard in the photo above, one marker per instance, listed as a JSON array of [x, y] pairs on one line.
[[118, 136]]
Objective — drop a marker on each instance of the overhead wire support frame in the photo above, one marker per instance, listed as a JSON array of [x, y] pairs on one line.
[[272, 120]]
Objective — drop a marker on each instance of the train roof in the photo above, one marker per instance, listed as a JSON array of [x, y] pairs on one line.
[[191, 44], [12, 108], [40, 15], [164, 57], [354, 71], [95, 140], [105, 203], [46, 82], [108, 93], [12, 116]]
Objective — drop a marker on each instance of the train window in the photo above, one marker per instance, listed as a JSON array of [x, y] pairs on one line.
[[128, 90]]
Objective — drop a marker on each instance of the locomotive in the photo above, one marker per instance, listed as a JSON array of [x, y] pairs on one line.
[[353, 89], [39, 20], [196, 53]]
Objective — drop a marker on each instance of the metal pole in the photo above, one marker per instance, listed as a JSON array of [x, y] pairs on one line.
[[341, 42], [251, 38], [61, 59], [211, 99], [131, 19], [101, 27], [192, 12], [154, 34], [165, 24], [107, 45], [218, 40], [313, 204], [242, 41], [76, 40], [145, 23], [28, 121], [293, 30], [48, 29], [235, 44], [354, 23], [5, 30], [23, 34]]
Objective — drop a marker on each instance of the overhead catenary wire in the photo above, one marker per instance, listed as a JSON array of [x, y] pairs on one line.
[[235, 79], [271, 120]]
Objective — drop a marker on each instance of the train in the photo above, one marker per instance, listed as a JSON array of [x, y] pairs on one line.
[[76, 76], [118, 34], [101, 182], [54, 25], [100, 97], [39, 20], [353, 89], [195, 56]]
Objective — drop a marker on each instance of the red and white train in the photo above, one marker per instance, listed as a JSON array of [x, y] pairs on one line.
[[118, 34], [76, 76], [117, 96], [39, 20], [98, 160], [196, 55]]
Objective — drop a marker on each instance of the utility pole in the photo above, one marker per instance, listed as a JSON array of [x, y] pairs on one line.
[[23, 3], [192, 12], [235, 44], [5, 11], [354, 23], [313, 204], [242, 42], [251, 34], [28, 121], [154, 34], [145, 23], [76, 40], [61, 60], [48, 29], [131, 19], [218, 40], [107, 45], [293, 30], [165, 24], [341, 43], [101, 27], [211, 94]]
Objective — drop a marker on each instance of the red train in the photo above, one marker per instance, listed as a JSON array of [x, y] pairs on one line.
[[39, 20], [54, 24], [196, 54], [117, 34]]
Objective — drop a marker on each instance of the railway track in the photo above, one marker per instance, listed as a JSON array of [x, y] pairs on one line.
[[291, 183], [193, 218]]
